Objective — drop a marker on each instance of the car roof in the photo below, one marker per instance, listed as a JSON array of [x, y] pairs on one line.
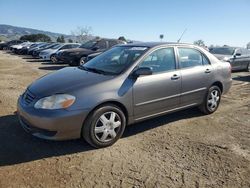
[[154, 44]]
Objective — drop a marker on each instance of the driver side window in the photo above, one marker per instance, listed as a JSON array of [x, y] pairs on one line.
[[161, 60]]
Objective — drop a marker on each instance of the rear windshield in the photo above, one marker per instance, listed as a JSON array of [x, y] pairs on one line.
[[223, 51]]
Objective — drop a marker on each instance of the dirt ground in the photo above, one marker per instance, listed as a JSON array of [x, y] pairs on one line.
[[184, 149]]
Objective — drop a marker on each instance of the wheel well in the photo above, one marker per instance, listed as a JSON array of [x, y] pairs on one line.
[[219, 84], [52, 55], [118, 104]]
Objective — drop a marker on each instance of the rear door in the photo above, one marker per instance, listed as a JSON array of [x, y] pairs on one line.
[[196, 73]]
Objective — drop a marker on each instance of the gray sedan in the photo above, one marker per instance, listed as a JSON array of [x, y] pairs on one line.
[[239, 58], [124, 85]]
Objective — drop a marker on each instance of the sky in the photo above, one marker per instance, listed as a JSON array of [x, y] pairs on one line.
[[216, 22]]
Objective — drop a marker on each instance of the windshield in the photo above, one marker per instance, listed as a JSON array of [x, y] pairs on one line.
[[56, 46], [115, 60], [90, 44], [223, 51]]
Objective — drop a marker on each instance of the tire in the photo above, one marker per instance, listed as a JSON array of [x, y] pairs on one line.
[[104, 126], [53, 58], [211, 101], [247, 68], [82, 61]]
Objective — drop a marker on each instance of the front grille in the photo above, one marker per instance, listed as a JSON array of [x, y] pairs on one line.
[[28, 97]]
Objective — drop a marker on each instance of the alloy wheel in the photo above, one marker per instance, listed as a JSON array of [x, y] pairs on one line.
[[82, 61], [213, 100]]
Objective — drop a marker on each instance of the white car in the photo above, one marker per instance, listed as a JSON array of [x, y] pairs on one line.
[[50, 54], [19, 46]]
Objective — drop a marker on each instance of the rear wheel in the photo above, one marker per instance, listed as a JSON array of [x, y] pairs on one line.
[[247, 67], [211, 101], [104, 126]]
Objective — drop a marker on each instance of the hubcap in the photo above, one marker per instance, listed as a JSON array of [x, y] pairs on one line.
[[107, 126], [213, 100], [82, 61], [53, 59]]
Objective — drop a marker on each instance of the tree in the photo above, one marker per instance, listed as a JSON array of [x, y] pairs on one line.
[[36, 38], [82, 33], [248, 45], [161, 36], [199, 42], [70, 41], [122, 38], [60, 39]]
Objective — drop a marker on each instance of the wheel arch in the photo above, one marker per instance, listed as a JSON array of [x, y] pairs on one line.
[[116, 103], [219, 84]]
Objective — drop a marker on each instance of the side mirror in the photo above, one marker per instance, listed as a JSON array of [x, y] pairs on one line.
[[142, 71], [238, 54]]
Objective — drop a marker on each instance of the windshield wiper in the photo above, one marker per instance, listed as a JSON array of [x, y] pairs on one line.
[[96, 70]]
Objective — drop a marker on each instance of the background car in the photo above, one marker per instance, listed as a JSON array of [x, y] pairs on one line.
[[77, 56], [36, 52], [50, 54], [124, 85], [36, 47], [239, 58], [18, 47], [6, 45]]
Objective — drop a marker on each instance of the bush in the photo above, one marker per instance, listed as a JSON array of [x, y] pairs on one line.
[[36, 38]]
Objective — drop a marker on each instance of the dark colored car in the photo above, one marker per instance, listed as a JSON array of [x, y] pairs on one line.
[[239, 58], [38, 46], [124, 85], [77, 56], [6, 45], [24, 50]]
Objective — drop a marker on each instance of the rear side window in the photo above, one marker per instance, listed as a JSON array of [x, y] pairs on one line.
[[161, 60], [112, 43], [102, 44], [190, 58]]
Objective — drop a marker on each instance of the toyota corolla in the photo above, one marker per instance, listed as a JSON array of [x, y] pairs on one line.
[[126, 84]]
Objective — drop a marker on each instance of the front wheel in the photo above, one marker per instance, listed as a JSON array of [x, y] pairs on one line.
[[82, 61], [211, 101], [53, 58], [104, 126]]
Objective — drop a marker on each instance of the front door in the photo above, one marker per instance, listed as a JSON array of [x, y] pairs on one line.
[[160, 92]]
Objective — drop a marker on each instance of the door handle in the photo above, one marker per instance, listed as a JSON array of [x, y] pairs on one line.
[[175, 77], [207, 71]]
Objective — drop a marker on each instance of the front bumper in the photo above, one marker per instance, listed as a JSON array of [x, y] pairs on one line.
[[44, 57], [51, 124]]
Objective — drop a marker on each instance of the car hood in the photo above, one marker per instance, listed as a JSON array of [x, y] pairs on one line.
[[222, 56], [49, 51], [65, 81]]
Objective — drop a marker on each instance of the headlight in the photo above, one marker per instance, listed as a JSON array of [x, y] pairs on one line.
[[53, 102]]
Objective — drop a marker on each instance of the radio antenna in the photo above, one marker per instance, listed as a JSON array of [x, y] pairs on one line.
[[182, 35]]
